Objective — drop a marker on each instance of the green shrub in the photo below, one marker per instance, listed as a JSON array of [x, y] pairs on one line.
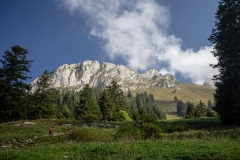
[[146, 118], [179, 128], [128, 130], [83, 135], [123, 116], [211, 113], [151, 130], [89, 118]]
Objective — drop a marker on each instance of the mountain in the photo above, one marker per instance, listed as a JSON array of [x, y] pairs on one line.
[[165, 88], [101, 74]]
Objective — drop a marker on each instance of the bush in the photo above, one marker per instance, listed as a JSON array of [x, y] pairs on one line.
[[211, 113], [146, 118], [89, 118], [83, 135], [128, 130], [151, 130], [179, 128], [123, 116]]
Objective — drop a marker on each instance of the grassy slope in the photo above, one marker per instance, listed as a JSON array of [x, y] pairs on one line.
[[201, 138], [164, 97]]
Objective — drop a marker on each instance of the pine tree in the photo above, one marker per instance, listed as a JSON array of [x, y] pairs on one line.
[[129, 93], [210, 105], [112, 101], [132, 109], [106, 105], [66, 112], [181, 108], [159, 112], [97, 92], [201, 110], [191, 111], [13, 74], [45, 97], [87, 103], [226, 40]]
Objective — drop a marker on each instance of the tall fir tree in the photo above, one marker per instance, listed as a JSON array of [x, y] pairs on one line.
[[181, 108], [129, 93], [112, 101], [210, 105], [201, 109], [191, 111], [13, 76], [45, 97], [107, 106], [226, 40], [87, 103]]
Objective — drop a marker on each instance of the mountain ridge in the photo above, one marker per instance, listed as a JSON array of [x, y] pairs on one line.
[[98, 74]]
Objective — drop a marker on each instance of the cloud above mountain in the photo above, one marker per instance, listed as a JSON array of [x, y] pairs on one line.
[[137, 32]]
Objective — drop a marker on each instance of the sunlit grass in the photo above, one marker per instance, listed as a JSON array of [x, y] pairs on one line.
[[200, 138]]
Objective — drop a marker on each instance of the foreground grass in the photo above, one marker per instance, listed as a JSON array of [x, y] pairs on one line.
[[201, 138], [158, 149]]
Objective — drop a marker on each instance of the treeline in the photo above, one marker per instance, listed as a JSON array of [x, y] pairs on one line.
[[90, 104], [145, 104], [189, 110]]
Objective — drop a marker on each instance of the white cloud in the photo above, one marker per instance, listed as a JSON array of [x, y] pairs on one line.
[[137, 31]]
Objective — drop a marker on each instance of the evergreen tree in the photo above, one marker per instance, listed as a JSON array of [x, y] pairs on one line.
[[87, 103], [141, 111], [118, 96], [129, 93], [139, 101], [181, 108], [210, 105], [112, 101], [44, 98], [13, 74], [226, 40], [159, 112], [201, 110], [106, 105], [191, 111], [132, 109], [66, 111], [71, 99], [97, 92]]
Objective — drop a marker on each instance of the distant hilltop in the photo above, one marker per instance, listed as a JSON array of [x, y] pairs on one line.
[[100, 74]]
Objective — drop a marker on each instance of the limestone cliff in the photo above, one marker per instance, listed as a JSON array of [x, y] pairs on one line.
[[96, 74]]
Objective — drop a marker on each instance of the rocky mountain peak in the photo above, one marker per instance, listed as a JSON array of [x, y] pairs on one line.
[[101, 74]]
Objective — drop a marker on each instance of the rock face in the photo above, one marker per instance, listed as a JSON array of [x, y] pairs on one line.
[[96, 74]]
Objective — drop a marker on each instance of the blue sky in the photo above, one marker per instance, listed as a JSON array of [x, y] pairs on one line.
[[169, 35]]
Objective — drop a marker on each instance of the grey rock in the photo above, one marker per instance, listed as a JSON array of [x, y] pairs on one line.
[[96, 74], [29, 141], [13, 140], [16, 148], [27, 123], [66, 125]]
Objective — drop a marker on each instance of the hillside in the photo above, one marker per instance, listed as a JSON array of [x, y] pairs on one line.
[[199, 138], [164, 97]]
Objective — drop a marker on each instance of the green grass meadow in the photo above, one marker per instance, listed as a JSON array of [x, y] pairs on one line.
[[200, 138]]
